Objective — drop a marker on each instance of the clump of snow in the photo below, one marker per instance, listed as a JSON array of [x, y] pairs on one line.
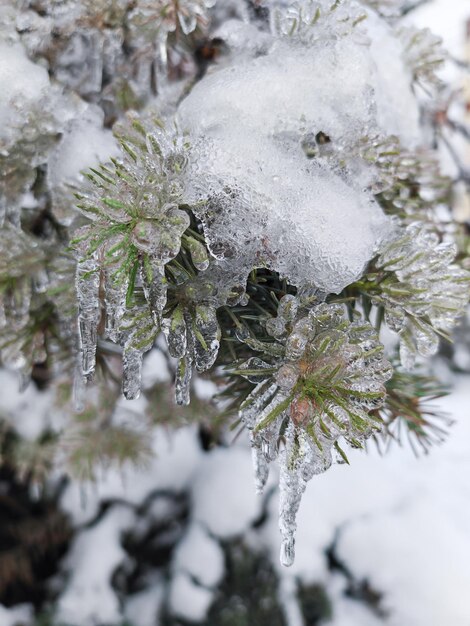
[[20, 615], [262, 201], [18, 406], [142, 608], [84, 144], [200, 556], [396, 105], [188, 600], [89, 598]]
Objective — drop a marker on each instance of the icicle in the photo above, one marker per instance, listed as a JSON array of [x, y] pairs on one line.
[[184, 370], [132, 373], [206, 337], [260, 467], [155, 286], [78, 390], [291, 488], [176, 333], [115, 301], [183, 380], [289, 501], [188, 21], [88, 285], [138, 332], [299, 461]]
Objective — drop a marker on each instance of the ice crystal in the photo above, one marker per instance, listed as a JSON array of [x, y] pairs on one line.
[[421, 288], [321, 379]]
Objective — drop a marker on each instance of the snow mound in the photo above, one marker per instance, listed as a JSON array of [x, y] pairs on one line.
[[263, 199]]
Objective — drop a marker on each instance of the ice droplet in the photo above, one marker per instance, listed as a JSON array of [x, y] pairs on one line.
[[260, 468], [287, 556], [206, 337], [87, 286]]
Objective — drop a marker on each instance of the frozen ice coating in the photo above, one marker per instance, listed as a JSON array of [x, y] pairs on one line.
[[264, 199]]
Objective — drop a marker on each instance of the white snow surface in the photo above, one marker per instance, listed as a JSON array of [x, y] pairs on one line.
[[401, 522], [223, 493], [84, 144], [188, 600], [22, 614], [89, 599], [142, 608], [200, 556]]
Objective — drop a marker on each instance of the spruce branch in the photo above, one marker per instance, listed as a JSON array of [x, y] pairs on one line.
[[323, 384], [410, 411], [422, 290]]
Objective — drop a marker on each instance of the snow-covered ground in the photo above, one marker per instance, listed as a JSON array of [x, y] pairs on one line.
[[397, 521]]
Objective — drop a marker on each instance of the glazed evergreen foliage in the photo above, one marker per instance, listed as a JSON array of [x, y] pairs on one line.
[[303, 369]]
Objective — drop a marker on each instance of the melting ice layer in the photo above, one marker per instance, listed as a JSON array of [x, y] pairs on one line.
[[264, 201]]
